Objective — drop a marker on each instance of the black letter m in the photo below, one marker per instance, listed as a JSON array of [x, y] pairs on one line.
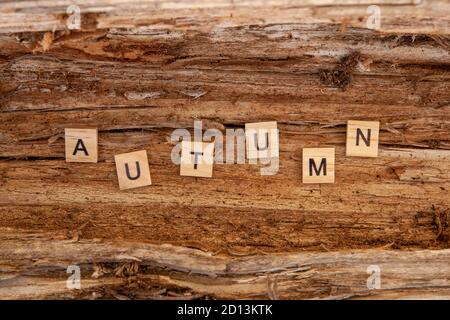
[[312, 166]]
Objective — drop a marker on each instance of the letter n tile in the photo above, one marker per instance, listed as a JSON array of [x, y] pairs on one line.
[[362, 138]]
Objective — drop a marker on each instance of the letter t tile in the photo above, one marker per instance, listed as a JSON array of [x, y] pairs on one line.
[[197, 159]]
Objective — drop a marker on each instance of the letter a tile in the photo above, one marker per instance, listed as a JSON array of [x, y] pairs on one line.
[[197, 159], [362, 138], [318, 165], [133, 170], [262, 140], [81, 145]]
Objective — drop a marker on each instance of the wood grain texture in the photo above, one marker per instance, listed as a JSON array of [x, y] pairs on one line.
[[158, 272], [137, 70]]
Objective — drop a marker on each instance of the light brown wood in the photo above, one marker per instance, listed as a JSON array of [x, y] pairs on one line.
[[115, 270], [138, 70], [133, 170], [362, 138], [81, 145]]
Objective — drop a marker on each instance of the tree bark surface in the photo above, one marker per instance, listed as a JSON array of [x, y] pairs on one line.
[[138, 70]]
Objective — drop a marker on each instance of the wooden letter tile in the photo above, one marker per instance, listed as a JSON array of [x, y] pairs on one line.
[[197, 159], [318, 165], [81, 145], [262, 140], [133, 170], [362, 138]]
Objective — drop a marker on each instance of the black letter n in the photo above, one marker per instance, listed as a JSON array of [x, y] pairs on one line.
[[312, 166], [360, 134]]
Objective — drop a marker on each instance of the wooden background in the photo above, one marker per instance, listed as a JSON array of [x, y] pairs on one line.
[[140, 69]]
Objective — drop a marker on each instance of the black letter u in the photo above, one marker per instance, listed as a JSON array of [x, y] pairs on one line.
[[138, 171], [257, 144]]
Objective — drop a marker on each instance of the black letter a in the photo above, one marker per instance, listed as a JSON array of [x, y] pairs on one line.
[[80, 147]]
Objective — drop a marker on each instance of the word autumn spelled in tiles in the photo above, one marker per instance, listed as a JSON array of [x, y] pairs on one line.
[[197, 157]]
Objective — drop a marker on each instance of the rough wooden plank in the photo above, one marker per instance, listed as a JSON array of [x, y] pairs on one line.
[[326, 275], [408, 16], [361, 209], [140, 69]]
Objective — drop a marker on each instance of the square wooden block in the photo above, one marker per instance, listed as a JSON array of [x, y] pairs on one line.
[[81, 145], [362, 138], [197, 159], [318, 165], [262, 140], [133, 170]]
